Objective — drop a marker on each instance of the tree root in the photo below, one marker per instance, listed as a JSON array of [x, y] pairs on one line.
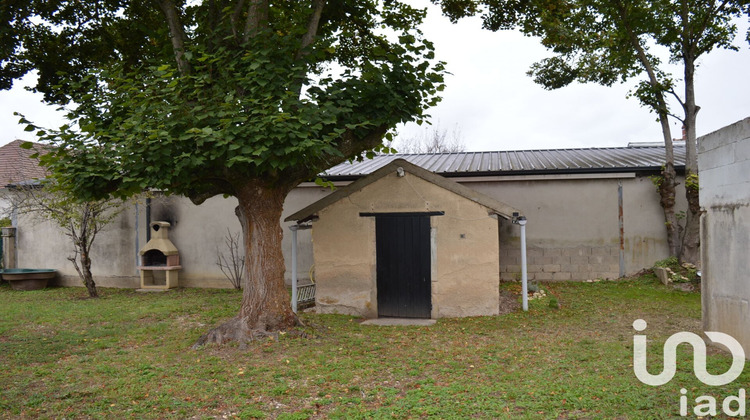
[[235, 330]]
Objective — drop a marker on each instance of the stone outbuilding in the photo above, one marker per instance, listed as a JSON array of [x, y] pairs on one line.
[[405, 242]]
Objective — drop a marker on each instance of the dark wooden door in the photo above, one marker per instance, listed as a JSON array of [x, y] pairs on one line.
[[403, 265]]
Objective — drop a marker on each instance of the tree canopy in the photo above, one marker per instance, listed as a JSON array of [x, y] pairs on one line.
[[245, 98], [218, 91]]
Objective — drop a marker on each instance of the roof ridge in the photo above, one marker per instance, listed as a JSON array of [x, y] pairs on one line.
[[538, 161], [566, 149]]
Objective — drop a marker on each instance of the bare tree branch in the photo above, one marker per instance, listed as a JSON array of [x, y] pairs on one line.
[[433, 140], [312, 27], [233, 264], [235, 17], [257, 18], [676, 96], [177, 35], [677, 117]]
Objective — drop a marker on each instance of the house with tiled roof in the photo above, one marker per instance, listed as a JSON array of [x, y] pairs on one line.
[[16, 165]]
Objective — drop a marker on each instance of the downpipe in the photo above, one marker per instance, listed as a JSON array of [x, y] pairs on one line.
[[521, 221]]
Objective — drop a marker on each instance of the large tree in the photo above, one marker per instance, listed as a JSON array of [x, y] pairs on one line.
[[243, 98], [610, 41]]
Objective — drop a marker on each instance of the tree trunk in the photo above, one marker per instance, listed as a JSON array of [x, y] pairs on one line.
[[176, 34], [84, 270], [88, 278], [691, 238], [667, 186], [667, 189], [667, 201], [266, 306]]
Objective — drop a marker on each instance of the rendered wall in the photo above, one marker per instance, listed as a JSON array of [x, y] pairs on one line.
[[572, 232], [724, 168], [199, 231], [465, 249]]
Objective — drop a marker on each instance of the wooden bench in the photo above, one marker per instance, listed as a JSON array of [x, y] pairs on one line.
[[306, 295]]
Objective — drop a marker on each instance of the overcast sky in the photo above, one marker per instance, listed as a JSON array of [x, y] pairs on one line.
[[495, 106]]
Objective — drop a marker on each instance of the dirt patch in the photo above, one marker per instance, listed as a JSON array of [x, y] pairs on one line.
[[687, 287], [508, 302], [188, 322]]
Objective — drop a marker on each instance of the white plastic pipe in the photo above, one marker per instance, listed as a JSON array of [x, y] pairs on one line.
[[294, 228], [524, 274]]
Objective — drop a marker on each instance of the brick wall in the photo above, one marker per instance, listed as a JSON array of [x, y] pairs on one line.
[[554, 264]]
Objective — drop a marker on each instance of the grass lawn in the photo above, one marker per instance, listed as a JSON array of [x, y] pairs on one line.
[[127, 355]]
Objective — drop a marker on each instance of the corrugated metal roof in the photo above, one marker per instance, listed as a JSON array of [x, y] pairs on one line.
[[552, 161]]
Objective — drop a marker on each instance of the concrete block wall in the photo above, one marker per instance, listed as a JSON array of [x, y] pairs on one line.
[[724, 171], [560, 264], [573, 228]]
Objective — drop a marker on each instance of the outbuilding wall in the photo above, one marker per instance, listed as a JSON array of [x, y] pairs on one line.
[[724, 168], [465, 266]]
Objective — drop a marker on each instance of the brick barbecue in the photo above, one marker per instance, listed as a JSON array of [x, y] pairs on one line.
[[160, 260]]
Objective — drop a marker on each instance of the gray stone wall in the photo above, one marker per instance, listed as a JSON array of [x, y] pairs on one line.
[[724, 165]]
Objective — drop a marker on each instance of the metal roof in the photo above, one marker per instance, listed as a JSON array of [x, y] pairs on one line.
[[497, 207], [552, 161]]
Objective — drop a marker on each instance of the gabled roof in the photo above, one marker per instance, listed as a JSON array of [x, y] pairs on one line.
[[554, 161], [16, 166], [501, 209]]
